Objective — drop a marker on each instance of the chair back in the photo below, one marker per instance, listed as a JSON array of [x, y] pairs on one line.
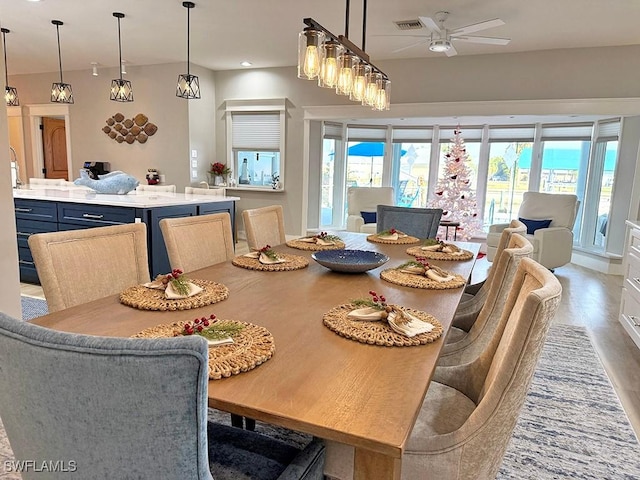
[[367, 199], [264, 226], [78, 266], [561, 209], [198, 241], [105, 407], [485, 333], [218, 192], [47, 182], [150, 189], [418, 222]]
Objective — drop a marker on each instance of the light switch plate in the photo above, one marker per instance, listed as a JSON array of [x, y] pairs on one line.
[[194, 153], [194, 164], [194, 174]]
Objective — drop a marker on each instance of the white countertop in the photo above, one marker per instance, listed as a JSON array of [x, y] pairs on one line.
[[132, 199]]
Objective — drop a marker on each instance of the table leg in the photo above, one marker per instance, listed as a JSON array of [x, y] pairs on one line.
[[370, 465]]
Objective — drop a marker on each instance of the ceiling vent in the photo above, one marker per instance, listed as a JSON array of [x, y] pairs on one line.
[[409, 24]]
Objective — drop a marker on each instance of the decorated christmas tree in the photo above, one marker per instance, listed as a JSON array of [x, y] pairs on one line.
[[453, 192]]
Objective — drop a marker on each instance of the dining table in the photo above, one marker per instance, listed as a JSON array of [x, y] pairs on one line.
[[316, 382]]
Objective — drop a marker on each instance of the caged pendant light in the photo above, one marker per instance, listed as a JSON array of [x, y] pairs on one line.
[[335, 62], [60, 92], [188, 85], [10, 93], [121, 90]]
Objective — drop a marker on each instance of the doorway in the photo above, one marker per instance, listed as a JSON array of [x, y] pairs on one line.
[[54, 147]]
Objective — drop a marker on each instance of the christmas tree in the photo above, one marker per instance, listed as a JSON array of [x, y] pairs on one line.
[[453, 192]]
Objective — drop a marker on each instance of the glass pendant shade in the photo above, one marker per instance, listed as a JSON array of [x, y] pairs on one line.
[[330, 52], [371, 92], [359, 82], [10, 93], [309, 53], [188, 86], [383, 95], [121, 90], [61, 93], [347, 63]]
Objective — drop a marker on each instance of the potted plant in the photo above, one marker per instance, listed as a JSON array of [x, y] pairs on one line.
[[219, 171]]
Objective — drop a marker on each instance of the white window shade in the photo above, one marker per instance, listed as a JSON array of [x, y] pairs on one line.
[[415, 135], [575, 131], [332, 130], [256, 130], [609, 130], [467, 133], [366, 134], [512, 133]]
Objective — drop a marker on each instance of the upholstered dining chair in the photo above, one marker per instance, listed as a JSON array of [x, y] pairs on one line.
[[151, 189], [475, 295], [418, 222], [198, 241], [549, 218], [264, 226], [115, 408], [78, 266], [363, 202], [465, 344], [47, 182], [470, 410], [217, 192]]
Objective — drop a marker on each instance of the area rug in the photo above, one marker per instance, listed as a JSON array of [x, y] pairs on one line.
[[572, 424], [33, 307]]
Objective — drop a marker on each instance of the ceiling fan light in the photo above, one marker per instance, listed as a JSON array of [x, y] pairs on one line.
[[440, 45], [309, 53]]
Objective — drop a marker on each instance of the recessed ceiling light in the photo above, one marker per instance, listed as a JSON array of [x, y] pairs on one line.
[[33, 0], [246, 64]]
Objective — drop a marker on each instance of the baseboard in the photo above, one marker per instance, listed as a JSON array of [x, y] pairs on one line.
[[599, 263]]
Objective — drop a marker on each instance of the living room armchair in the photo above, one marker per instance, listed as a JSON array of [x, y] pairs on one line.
[[365, 200], [549, 218]]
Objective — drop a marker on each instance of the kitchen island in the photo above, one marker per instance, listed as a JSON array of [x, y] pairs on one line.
[[53, 209]]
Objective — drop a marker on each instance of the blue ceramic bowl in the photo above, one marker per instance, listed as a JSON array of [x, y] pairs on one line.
[[350, 261]]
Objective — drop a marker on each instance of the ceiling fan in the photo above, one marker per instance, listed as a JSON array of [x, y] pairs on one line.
[[441, 39]]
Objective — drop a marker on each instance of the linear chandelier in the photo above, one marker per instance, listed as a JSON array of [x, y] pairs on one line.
[[188, 85], [339, 64], [10, 93], [60, 92], [121, 90]]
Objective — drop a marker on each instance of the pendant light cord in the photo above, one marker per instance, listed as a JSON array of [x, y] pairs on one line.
[[364, 23], [346, 19], [119, 49], [188, 38], [59, 54], [4, 47]]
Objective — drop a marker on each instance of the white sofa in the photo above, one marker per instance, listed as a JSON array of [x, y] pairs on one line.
[[366, 199], [552, 245]]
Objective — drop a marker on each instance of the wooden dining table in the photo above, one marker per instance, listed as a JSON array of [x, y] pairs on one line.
[[317, 382]]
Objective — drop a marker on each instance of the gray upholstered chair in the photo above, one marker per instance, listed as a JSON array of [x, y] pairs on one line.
[[470, 340], [78, 266], [470, 410], [550, 218], [198, 241], [418, 222], [115, 408], [264, 226], [475, 295], [365, 200]]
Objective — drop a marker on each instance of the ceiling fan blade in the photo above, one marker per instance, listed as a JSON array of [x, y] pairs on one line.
[[485, 40], [476, 27], [405, 36], [397, 50], [430, 24], [451, 52]]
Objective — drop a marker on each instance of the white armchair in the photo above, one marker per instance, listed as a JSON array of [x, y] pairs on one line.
[[366, 199], [553, 243]]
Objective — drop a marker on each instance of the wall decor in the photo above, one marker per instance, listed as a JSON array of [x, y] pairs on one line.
[[129, 130]]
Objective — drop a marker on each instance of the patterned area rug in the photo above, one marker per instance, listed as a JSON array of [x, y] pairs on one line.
[[572, 424], [33, 307]]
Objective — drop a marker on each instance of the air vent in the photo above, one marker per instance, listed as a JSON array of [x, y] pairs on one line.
[[409, 24]]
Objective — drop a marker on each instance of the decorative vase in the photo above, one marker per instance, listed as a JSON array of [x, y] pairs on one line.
[[218, 180]]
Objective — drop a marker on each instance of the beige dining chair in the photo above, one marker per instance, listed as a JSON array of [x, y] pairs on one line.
[[463, 346], [469, 413], [78, 266], [151, 189], [218, 192], [471, 304], [47, 182], [198, 241], [264, 226]]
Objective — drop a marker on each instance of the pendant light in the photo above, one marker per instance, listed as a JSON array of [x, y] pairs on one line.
[[60, 92], [10, 93], [188, 85], [121, 90]]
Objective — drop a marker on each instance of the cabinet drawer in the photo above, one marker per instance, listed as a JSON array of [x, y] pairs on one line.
[[632, 275], [26, 228], [94, 215], [630, 315], [35, 210], [634, 241]]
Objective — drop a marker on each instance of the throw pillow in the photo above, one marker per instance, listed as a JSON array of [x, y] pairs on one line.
[[533, 225], [369, 217]]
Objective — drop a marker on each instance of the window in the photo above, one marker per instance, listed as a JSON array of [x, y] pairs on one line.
[[255, 134], [332, 162], [411, 158]]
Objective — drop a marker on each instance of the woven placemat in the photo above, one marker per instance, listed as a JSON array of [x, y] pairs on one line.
[[420, 281], [418, 252], [145, 298], [378, 333], [401, 241], [314, 247], [293, 262], [252, 346]]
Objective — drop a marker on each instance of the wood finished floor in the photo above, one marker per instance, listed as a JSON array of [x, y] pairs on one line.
[[589, 299]]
